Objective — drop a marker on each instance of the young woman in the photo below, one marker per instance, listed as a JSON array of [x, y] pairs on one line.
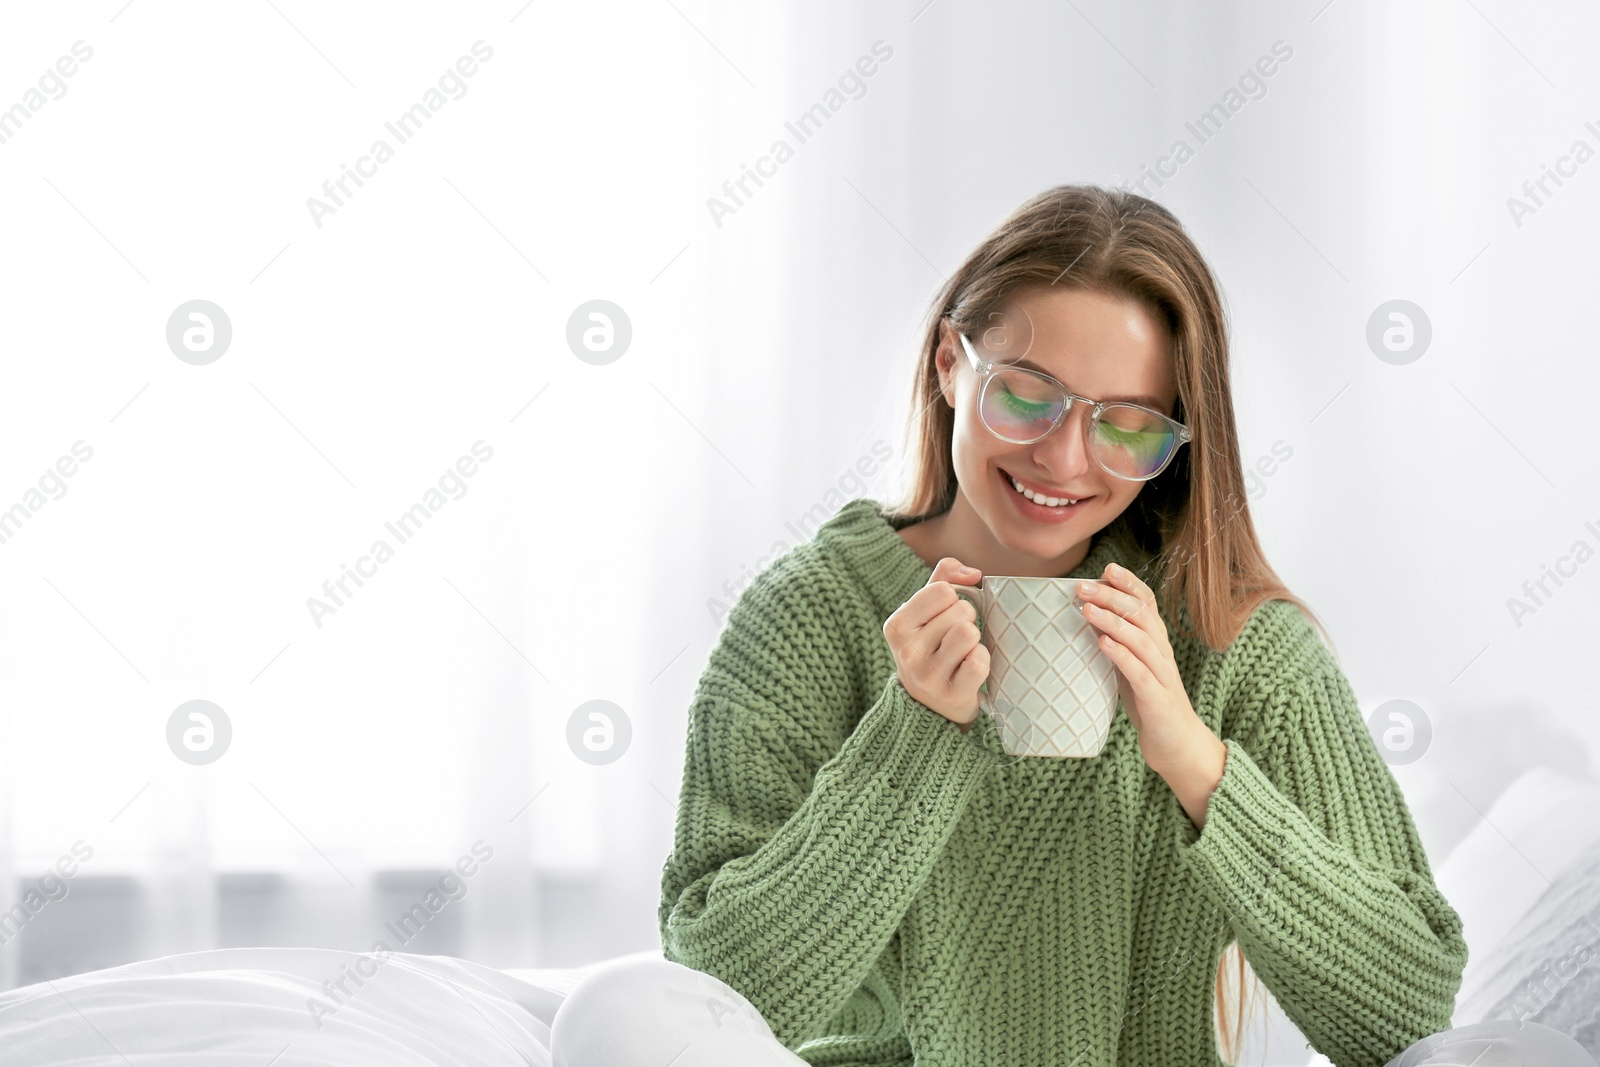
[[861, 876]]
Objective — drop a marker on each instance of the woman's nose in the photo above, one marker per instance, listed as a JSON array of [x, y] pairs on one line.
[[1065, 449]]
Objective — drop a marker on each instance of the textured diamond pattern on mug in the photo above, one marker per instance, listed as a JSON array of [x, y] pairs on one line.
[[1036, 630]]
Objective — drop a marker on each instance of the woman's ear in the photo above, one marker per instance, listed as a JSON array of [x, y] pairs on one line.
[[944, 360]]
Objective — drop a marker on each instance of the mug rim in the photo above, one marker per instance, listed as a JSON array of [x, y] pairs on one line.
[[1036, 578]]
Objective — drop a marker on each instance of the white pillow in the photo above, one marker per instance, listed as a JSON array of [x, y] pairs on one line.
[[1543, 821]]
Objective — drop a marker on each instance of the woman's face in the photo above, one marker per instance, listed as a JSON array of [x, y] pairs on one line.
[[1099, 346]]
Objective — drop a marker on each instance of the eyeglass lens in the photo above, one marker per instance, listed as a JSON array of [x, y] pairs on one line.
[[1128, 441]]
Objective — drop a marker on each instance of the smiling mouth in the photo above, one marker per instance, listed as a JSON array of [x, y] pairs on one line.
[[1040, 499]]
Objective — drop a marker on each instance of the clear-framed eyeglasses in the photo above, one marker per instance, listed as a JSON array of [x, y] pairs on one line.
[[1021, 406]]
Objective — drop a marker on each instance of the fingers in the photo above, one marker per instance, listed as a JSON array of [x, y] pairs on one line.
[[976, 665], [947, 631], [1133, 669], [972, 672], [960, 636], [937, 643], [936, 650], [1136, 642], [953, 643], [1128, 609], [1124, 593], [1121, 629], [950, 569], [937, 647], [937, 595], [1108, 594]]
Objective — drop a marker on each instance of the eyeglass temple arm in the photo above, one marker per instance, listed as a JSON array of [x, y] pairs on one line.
[[972, 357]]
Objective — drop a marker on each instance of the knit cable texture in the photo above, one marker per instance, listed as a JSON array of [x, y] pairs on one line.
[[887, 890]]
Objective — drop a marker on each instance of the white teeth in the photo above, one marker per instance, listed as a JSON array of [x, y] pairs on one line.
[[1047, 501]]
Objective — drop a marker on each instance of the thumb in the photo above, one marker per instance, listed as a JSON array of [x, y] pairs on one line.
[[953, 570]]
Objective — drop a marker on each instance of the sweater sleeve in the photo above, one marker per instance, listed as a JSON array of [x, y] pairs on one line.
[[792, 867], [1310, 851]]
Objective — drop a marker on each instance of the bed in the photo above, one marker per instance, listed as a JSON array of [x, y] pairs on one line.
[[1526, 882], [289, 1007]]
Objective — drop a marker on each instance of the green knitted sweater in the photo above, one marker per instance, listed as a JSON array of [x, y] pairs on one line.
[[888, 890]]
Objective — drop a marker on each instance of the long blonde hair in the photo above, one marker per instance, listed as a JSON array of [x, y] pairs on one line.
[[1194, 518]]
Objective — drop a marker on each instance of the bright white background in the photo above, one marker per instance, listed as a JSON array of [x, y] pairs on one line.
[[769, 354]]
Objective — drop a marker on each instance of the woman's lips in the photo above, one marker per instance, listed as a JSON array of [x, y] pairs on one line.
[[1039, 512], [1040, 490]]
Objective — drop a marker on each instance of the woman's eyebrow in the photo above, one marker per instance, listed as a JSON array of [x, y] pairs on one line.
[[1147, 401]]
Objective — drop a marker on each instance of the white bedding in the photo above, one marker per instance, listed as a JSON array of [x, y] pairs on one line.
[[1543, 822], [251, 1007], [1510, 880]]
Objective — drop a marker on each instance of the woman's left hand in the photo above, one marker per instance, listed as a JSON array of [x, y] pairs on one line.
[[1175, 743]]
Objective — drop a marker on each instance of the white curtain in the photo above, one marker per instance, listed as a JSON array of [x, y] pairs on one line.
[[772, 336]]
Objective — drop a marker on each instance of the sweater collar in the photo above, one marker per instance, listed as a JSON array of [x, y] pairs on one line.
[[888, 571]]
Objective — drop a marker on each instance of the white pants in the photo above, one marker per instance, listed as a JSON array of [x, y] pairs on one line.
[[650, 1012]]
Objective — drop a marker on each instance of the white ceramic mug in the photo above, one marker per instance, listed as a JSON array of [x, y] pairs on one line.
[[1051, 690]]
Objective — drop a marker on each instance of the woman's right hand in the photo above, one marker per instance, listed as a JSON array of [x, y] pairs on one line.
[[938, 649]]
